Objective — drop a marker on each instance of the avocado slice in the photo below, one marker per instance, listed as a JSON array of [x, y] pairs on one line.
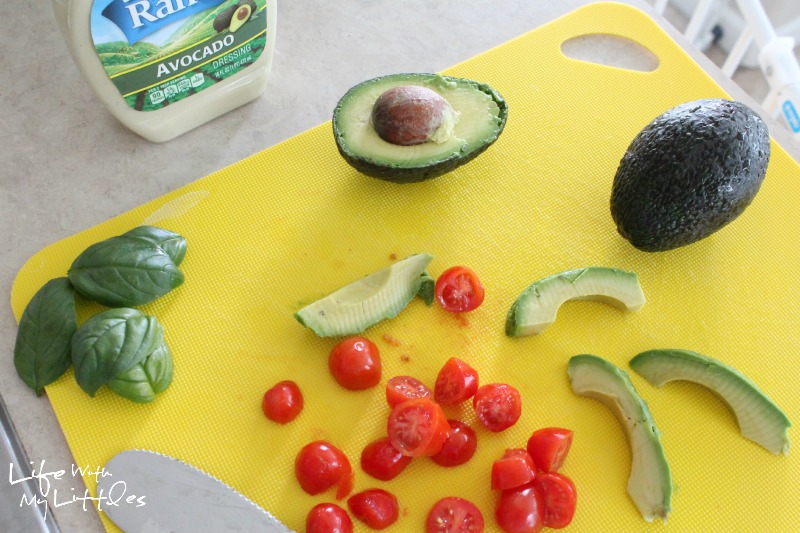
[[759, 418], [650, 480], [471, 118], [537, 306], [367, 301], [688, 173]]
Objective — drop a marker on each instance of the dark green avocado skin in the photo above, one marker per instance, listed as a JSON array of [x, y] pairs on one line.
[[379, 169], [688, 173]]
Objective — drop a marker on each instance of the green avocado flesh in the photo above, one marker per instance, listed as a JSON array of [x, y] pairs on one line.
[[691, 171], [363, 303], [759, 418], [537, 306], [480, 118], [650, 480]]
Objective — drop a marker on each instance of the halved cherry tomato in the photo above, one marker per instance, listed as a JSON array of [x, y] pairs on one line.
[[377, 508], [513, 470], [459, 290], [282, 402], [356, 363], [402, 388], [454, 515], [549, 447], [498, 406], [418, 427], [328, 518], [459, 447], [520, 510], [382, 461], [456, 382], [559, 498], [321, 465]]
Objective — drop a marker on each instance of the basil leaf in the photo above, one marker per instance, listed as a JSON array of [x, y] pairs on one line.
[[143, 381], [42, 348], [172, 243], [426, 288], [112, 342], [124, 272]]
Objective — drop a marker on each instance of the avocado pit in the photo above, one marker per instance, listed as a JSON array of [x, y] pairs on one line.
[[409, 114]]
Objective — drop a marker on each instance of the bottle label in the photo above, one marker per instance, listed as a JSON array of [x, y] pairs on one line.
[[158, 52]]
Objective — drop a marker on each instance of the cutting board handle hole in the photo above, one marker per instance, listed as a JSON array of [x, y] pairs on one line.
[[610, 50]]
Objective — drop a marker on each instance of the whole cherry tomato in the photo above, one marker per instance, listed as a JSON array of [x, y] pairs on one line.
[[282, 402], [320, 465], [356, 363], [328, 518]]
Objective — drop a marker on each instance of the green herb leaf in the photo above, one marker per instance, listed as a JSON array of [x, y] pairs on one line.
[[42, 348], [111, 343], [172, 243], [124, 272], [143, 381]]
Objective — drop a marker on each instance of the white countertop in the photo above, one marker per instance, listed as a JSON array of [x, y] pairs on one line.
[[68, 165]]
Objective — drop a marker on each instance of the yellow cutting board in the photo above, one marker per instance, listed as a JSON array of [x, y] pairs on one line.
[[274, 232]]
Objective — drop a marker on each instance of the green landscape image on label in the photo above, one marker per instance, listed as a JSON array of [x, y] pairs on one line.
[[183, 57]]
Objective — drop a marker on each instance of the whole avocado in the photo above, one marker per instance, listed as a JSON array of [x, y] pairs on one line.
[[688, 173]]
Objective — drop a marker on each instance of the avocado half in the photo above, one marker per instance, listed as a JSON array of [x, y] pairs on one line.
[[480, 118], [688, 173]]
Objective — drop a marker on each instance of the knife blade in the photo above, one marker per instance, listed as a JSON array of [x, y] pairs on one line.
[[146, 492]]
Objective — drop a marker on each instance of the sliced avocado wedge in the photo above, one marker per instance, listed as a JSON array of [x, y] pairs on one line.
[[650, 481], [537, 306], [444, 135], [365, 302], [759, 418]]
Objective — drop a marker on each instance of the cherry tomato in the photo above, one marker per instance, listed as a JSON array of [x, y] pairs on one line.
[[377, 508], [320, 465], [382, 461], [356, 363], [454, 515], [459, 447], [559, 497], [520, 510], [498, 406], [283, 402], [402, 388], [418, 427], [459, 290], [456, 382], [513, 470], [549, 447], [328, 518]]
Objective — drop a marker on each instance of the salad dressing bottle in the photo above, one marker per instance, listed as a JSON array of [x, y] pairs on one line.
[[164, 67]]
